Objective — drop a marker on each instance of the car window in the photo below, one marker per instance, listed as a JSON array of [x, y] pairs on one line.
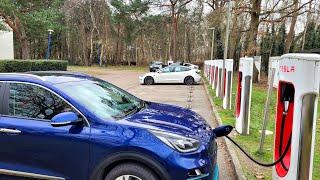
[[168, 69], [181, 69], [31, 101], [1, 96], [103, 99]]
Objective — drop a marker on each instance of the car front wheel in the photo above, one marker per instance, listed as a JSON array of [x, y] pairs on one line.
[[189, 80], [131, 171], [148, 80]]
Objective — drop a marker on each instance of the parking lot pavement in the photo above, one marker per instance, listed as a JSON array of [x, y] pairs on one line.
[[181, 95]]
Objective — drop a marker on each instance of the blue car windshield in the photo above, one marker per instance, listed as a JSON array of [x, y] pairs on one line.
[[103, 99]]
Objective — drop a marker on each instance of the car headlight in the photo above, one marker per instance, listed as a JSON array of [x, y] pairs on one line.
[[180, 143]]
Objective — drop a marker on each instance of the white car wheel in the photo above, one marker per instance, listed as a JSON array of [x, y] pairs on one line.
[[148, 80]]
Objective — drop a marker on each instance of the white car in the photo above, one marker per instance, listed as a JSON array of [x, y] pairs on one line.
[[172, 74]]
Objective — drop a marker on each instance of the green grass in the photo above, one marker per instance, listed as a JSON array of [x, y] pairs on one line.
[[251, 142], [97, 70]]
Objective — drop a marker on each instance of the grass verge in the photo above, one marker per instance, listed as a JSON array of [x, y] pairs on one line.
[[251, 142]]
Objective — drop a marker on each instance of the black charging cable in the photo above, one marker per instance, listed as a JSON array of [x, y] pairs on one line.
[[260, 163], [286, 104], [280, 160]]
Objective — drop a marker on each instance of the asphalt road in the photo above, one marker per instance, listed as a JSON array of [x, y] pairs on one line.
[[185, 96]]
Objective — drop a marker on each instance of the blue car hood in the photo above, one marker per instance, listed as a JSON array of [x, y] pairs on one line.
[[172, 119]]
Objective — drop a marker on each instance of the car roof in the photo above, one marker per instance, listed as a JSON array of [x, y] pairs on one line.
[[53, 77], [177, 65]]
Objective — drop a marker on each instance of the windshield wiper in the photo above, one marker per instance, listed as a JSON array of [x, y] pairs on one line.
[[133, 110], [142, 105]]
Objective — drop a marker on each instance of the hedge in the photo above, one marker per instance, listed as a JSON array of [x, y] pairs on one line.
[[32, 65]]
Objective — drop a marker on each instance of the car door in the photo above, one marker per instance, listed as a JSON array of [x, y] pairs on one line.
[[180, 74], [2, 88], [166, 75], [30, 146]]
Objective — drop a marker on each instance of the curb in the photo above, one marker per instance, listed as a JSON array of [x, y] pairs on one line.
[[230, 149]]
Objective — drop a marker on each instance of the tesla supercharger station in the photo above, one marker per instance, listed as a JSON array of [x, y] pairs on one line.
[[211, 71], [218, 74], [213, 66], [205, 68], [227, 90], [257, 63], [274, 63], [298, 92], [244, 90]]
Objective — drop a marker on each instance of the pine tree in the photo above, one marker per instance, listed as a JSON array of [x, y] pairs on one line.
[[310, 36], [265, 48], [281, 39], [317, 38], [273, 41], [219, 44]]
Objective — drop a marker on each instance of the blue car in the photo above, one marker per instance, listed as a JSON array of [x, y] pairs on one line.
[[62, 125]]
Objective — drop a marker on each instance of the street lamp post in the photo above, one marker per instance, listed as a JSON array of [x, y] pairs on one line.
[[225, 54], [50, 31], [212, 42]]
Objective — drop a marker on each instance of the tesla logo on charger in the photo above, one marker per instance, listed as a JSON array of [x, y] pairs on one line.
[[287, 69]]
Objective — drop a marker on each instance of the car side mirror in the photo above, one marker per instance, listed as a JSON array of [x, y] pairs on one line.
[[223, 130], [158, 71], [65, 119]]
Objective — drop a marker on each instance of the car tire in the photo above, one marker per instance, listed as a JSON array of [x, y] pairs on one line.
[[189, 80], [148, 80], [133, 170]]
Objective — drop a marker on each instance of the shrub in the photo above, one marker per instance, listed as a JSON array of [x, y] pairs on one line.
[[32, 65]]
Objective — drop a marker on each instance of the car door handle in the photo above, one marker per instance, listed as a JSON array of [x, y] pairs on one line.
[[9, 131]]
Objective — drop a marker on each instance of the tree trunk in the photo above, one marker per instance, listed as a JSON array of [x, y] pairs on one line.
[[118, 55], [234, 37], [251, 41], [290, 36], [25, 48], [173, 38], [252, 34], [305, 27]]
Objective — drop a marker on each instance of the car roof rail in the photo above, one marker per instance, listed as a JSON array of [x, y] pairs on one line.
[[22, 74]]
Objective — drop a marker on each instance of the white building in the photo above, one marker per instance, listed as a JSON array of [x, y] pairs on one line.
[[6, 43]]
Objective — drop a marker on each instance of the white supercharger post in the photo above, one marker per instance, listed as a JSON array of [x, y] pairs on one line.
[[218, 74], [210, 71], [244, 90], [297, 101], [213, 67], [205, 68], [257, 63], [227, 92], [274, 64]]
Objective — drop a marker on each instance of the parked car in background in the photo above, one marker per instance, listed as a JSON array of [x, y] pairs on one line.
[[177, 63], [155, 65], [172, 74], [60, 125], [170, 62], [191, 65]]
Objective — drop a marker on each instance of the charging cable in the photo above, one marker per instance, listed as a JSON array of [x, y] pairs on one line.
[[283, 154], [260, 163], [286, 103]]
